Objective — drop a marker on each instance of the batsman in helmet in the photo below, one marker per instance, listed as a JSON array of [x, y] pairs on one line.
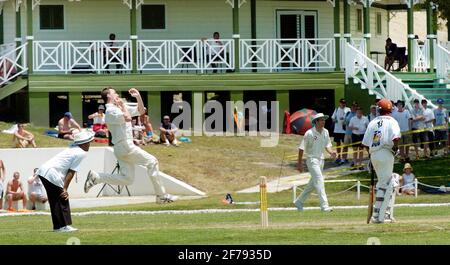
[[382, 137]]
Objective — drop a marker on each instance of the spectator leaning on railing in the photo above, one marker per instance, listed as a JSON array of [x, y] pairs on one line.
[[429, 120]]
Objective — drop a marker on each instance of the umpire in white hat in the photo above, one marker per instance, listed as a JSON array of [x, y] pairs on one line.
[[313, 144], [56, 175]]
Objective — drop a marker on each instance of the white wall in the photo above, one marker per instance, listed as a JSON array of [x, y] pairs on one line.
[[100, 159], [398, 27]]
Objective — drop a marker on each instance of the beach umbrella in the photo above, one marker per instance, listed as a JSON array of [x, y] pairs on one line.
[[301, 120]]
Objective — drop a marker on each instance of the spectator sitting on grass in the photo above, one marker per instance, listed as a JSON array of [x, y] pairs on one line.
[[148, 129], [99, 126], [168, 131], [13, 193], [407, 180], [36, 189], [66, 125], [23, 138]]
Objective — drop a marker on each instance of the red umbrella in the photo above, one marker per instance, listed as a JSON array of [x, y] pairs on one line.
[[301, 120]]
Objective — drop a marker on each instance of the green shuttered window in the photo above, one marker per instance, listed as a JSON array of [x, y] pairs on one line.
[[153, 16], [51, 16]]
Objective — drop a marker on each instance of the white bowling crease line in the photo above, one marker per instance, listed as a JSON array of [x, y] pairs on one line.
[[209, 211]]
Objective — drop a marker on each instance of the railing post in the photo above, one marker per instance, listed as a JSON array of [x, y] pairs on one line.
[[430, 35], [18, 38], [358, 190], [29, 37], [367, 34], [236, 35], [133, 37], [294, 192], [411, 49], [416, 185], [337, 34]]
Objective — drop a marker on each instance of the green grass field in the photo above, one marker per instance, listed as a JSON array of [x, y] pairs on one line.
[[419, 225], [219, 165]]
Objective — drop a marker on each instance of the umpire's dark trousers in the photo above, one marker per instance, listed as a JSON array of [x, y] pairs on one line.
[[59, 207]]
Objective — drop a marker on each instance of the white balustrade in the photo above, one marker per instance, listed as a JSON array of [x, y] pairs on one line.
[[442, 61], [73, 56], [180, 55], [287, 54], [13, 64], [421, 55]]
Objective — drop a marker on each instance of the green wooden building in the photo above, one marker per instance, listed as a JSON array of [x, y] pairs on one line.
[[57, 55]]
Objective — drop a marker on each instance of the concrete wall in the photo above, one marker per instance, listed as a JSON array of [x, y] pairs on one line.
[[100, 159]]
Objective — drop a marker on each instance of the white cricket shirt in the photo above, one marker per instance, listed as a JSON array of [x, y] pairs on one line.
[[314, 143], [55, 169], [339, 117], [380, 133], [360, 123], [119, 128]]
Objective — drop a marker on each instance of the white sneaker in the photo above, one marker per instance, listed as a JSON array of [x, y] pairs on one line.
[[167, 198], [299, 206], [327, 209], [90, 180], [65, 229]]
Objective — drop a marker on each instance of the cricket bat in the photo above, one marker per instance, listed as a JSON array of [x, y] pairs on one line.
[[372, 192]]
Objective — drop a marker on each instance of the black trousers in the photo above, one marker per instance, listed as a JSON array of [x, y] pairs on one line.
[[59, 207]]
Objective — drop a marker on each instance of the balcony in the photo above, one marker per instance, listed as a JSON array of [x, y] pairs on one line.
[[168, 56]]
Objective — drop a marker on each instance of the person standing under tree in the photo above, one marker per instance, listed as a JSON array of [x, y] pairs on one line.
[[314, 142], [118, 119], [382, 137], [56, 175]]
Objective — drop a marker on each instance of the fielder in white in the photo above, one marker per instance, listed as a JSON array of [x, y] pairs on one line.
[[382, 137], [118, 119], [314, 142]]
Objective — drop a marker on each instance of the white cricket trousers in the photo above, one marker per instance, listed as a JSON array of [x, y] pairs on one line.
[[128, 155], [383, 163], [315, 167]]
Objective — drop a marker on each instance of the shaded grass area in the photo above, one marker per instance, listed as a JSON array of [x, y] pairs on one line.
[[414, 226]]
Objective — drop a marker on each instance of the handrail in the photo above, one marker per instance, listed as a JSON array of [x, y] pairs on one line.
[[377, 80], [442, 59], [13, 64]]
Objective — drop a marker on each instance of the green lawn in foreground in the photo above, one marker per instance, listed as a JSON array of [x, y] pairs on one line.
[[420, 225]]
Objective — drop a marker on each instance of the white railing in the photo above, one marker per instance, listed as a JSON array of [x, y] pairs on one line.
[[421, 55], [358, 43], [283, 54], [442, 61], [73, 56], [198, 55], [218, 54], [13, 64], [7, 47], [377, 80], [445, 44]]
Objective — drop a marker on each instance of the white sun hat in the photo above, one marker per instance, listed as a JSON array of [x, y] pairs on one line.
[[83, 137], [319, 115]]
